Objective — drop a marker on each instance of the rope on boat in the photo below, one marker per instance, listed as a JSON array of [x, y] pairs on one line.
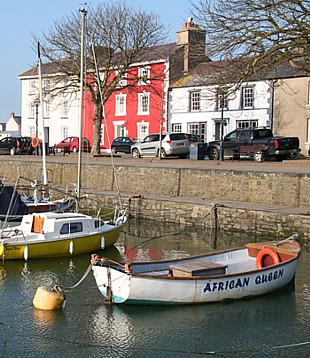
[[81, 280], [288, 239]]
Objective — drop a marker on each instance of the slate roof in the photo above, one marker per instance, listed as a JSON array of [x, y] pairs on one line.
[[224, 72], [155, 53]]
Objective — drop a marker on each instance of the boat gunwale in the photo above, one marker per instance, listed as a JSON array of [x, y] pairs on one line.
[[119, 268], [198, 278]]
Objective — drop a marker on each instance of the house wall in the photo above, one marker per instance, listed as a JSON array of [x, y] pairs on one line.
[[12, 125], [129, 122], [208, 113], [292, 110], [55, 121]]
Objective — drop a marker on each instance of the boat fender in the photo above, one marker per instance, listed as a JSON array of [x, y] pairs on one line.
[[71, 247], [102, 242], [26, 253], [119, 221], [49, 299], [35, 142], [263, 254]]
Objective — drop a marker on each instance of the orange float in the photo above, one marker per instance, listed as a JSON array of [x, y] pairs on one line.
[[263, 254], [35, 142]]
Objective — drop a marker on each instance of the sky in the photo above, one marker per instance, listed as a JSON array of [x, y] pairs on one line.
[[20, 19]]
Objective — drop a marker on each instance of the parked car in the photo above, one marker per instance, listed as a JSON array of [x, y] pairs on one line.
[[71, 144], [172, 144], [16, 145], [122, 144], [254, 142]]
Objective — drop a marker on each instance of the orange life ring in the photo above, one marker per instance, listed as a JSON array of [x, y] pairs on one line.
[[266, 251], [35, 142]]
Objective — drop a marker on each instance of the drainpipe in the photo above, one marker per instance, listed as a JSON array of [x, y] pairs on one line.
[[272, 103]]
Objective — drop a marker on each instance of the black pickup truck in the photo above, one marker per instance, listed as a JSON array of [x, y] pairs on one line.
[[257, 143]]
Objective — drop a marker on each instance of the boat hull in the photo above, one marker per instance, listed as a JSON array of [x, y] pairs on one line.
[[152, 282], [59, 248], [145, 290]]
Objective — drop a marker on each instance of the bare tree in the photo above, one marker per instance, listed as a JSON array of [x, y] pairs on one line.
[[264, 33], [118, 36]]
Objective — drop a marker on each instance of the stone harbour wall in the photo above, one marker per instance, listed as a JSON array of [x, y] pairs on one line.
[[187, 195]]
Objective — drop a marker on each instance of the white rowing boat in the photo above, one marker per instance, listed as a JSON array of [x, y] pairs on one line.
[[255, 269]]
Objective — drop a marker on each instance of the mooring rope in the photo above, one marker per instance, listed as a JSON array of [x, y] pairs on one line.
[[86, 273]]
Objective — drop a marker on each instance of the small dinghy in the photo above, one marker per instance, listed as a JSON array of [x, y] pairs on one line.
[[253, 270]]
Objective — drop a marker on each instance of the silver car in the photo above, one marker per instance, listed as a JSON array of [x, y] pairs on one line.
[[172, 144]]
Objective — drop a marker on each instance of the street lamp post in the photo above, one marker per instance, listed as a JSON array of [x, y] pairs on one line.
[[221, 154]]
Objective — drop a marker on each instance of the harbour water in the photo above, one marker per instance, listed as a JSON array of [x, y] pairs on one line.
[[275, 325]]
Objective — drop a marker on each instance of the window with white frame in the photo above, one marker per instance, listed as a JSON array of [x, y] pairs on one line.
[[198, 129], [193, 128], [32, 87], [309, 93], [143, 103], [143, 130], [31, 109], [222, 101], [46, 85], [144, 76], [194, 101], [64, 132], [308, 130], [177, 127], [120, 105], [47, 108], [247, 124], [32, 131], [64, 109], [247, 97]]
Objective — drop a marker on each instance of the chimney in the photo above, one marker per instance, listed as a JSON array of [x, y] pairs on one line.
[[193, 39]]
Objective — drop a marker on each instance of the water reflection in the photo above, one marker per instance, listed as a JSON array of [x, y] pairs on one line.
[[46, 319], [87, 327]]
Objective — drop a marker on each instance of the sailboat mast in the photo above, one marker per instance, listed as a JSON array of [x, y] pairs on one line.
[[42, 117], [83, 11]]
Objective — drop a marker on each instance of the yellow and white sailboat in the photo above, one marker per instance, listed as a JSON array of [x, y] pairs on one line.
[[44, 235]]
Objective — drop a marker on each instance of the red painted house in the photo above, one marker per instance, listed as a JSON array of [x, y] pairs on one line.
[[133, 111]]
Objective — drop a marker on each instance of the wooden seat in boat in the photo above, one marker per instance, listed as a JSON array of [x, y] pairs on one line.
[[197, 268]]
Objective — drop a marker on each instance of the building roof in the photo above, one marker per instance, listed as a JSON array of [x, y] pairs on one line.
[[224, 72], [150, 54]]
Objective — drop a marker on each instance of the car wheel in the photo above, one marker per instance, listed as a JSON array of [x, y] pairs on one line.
[[135, 153], [113, 150], [12, 151], [163, 153], [258, 157], [213, 154], [74, 149]]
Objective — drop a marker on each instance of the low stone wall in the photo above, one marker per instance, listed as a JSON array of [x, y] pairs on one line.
[[167, 193], [275, 188], [257, 223]]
